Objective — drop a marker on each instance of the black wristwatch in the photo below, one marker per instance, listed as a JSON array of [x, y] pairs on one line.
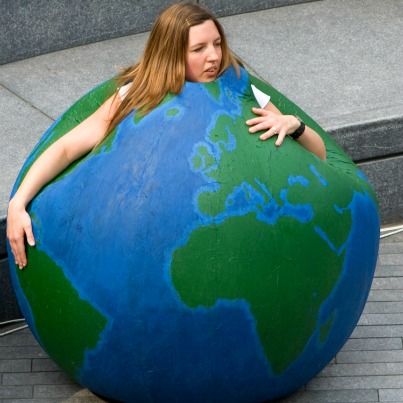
[[300, 129]]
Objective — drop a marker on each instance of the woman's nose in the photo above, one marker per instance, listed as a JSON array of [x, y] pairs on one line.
[[212, 54]]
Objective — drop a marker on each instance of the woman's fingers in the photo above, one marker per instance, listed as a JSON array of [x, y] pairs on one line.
[[265, 121], [263, 125], [29, 233], [18, 249], [281, 137], [19, 227], [255, 121], [22, 258], [260, 111], [270, 133], [276, 125]]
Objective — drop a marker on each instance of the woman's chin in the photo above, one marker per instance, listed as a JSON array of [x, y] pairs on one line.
[[204, 78], [208, 78]]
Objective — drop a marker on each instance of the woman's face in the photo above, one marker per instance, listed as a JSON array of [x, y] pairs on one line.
[[203, 55]]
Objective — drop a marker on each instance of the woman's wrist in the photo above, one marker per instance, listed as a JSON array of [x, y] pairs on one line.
[[293, 124], [299, 130], [17, 203]]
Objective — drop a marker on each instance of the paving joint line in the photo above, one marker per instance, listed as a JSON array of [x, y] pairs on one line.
[[25, 101]]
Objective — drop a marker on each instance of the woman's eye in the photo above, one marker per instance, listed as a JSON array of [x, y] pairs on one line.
[[197, 49], [218, 44]]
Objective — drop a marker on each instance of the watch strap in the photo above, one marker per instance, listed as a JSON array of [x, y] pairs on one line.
[[300, 129]]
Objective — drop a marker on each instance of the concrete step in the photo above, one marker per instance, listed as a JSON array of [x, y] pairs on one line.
[[32, 28], [340, 61]]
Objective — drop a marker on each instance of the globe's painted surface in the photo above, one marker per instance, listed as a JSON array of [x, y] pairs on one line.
[[185, 260]]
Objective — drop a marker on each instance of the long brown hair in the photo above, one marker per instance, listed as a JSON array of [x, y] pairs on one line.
[[161, 69]]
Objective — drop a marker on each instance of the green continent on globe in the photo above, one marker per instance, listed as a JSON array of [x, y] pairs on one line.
[[65, 331], [245, 256], [280, 293]]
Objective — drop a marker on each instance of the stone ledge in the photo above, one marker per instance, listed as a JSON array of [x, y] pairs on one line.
[[221, 8], [369, 140], [32, 28], [386, 176]]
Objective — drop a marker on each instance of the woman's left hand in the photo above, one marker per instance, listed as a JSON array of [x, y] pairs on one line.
[[275, 124]]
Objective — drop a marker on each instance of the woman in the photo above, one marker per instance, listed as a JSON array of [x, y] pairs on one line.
[[186, 43]]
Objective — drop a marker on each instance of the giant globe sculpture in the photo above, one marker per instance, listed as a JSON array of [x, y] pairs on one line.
[[185, 260]]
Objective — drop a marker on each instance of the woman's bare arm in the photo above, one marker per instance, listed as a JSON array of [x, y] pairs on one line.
[[73, 145]]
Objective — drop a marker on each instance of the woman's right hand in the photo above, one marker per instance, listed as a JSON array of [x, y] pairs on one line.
[[19, 226]]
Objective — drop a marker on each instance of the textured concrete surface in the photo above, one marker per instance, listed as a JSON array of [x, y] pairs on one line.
[[221, 7], [369, 368], [371, 140], [52, 82], [386, 175], [30, 28], [341, 61]]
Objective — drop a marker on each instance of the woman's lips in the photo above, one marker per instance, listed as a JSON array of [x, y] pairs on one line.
[[211, 70]]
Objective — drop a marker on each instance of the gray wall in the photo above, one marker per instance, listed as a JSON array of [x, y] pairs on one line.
[[33, 27]]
